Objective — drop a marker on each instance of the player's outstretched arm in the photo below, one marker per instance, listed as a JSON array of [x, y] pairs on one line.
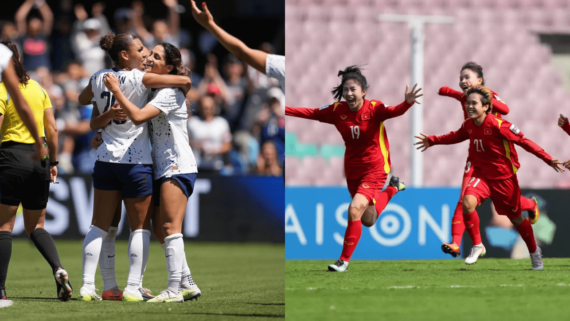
[[423, 142], [499, 106], [136, 115], [563, 123], [410, 98], [513, 134], [446, 91], [252, 57], [163, 81], [10, 80], [450, 138]]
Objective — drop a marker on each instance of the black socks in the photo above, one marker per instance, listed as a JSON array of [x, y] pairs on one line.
[[5, 254], [45, 244]]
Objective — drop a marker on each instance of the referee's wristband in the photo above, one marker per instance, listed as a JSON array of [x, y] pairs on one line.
[[53, 163]]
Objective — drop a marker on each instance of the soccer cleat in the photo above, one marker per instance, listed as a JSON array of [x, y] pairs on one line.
[[146, 292], [339, 266], [451, 248], [135, 296], [168, 297], [476, 252], [3, 294], [395, 181], [88, 295], [113, 294], [534, 215], [536, 259], [190, 293], [64, 289]]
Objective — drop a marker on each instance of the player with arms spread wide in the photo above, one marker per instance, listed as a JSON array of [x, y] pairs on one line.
[[471, 74], [495, 162], [367, 157]]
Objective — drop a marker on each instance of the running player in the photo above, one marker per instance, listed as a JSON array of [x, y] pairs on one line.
[[123, 169], [495, 161], [24, 180], [175, 167], [367, 157], [271, 65], [471, 74]]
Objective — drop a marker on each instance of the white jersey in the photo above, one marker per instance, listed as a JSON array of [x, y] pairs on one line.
[[5, 56], [275, 67], [171, 152], [123, 141]]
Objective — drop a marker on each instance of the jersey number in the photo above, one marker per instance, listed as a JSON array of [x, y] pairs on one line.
[[479, 144], [355, 130], [471, 181], [110, 102]]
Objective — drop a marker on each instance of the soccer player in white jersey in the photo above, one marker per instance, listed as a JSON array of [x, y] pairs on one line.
[[175, 167], [123, 169], [271, 65]]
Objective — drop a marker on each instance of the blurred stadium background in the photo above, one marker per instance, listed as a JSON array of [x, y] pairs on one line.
[[523, 48], [239, 111]]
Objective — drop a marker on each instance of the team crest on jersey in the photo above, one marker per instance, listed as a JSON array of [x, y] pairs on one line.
[[343, 117], [488, 131], [469, 131], [514, 129], [325, 106], [365, 185], [365, 116]]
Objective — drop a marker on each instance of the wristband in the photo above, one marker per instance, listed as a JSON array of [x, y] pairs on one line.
[[53, 163]]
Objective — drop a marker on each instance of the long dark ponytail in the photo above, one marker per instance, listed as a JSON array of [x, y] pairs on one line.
[[350, 72], [23, 77]]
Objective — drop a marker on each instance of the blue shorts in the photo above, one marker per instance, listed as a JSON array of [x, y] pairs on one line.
[[186, 182], [133, 180]]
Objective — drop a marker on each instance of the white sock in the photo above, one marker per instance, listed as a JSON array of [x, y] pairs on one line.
[[185, 282], [91, 252], [174, 260], [138, 248], [107, 259]]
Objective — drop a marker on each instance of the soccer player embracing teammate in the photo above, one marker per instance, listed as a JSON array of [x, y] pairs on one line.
[[367, 157], [495, 163]]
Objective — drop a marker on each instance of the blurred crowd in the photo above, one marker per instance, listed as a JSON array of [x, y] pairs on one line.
[[236, 114]]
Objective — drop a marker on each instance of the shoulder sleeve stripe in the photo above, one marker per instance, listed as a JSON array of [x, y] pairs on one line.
[[500, 122]]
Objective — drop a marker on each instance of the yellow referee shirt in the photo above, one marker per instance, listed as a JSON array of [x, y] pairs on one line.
[[13, 129]]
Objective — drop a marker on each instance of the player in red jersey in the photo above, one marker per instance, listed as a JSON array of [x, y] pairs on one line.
[[495, 162], [471, 74], [367, 156]]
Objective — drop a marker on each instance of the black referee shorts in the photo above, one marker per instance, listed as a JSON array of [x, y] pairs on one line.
[[23, 180]]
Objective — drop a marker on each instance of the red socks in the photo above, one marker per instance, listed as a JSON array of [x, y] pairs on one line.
[[527, 234], [472, 226], [351, 238], [457, 225], [383, 198], [527, 204]]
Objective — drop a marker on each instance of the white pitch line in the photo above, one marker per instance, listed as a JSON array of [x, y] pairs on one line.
[[5, 303]]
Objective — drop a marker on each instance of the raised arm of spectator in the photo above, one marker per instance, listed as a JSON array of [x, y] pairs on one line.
[[47, 16], [138, 23], [22, 14], [97, 12], [252, 57], [173, 17], [10, 80], [212, 76]]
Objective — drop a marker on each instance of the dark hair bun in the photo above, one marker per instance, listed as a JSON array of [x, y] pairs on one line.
[[348, 70], [106, 42]]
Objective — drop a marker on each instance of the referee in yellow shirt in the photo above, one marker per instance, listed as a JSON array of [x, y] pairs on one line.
[[24, 180]]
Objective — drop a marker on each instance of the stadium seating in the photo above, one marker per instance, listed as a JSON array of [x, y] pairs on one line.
[[326, 36]]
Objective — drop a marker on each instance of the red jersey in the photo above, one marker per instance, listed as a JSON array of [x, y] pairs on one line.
[[566, 128], [491, 149], [363, 132], [499, 106]]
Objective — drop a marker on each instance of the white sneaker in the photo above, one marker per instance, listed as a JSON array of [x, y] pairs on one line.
[[339, 266], [133, 296], [191, 292], [86, 294], [536, 259], [167, 296], [476, 252]]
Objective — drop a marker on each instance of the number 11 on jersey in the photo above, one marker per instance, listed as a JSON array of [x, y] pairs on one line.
[[355, 130]]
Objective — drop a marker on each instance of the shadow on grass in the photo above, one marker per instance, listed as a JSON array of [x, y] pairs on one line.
[[25, 298]]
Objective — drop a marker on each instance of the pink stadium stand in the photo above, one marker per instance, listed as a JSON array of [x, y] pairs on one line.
[[326, 36]]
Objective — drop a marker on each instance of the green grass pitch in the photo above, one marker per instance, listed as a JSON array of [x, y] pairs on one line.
[[492, 289], [238, 282]]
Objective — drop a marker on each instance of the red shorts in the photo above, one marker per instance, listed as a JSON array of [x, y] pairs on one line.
[[505, 193], [367, 185]]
